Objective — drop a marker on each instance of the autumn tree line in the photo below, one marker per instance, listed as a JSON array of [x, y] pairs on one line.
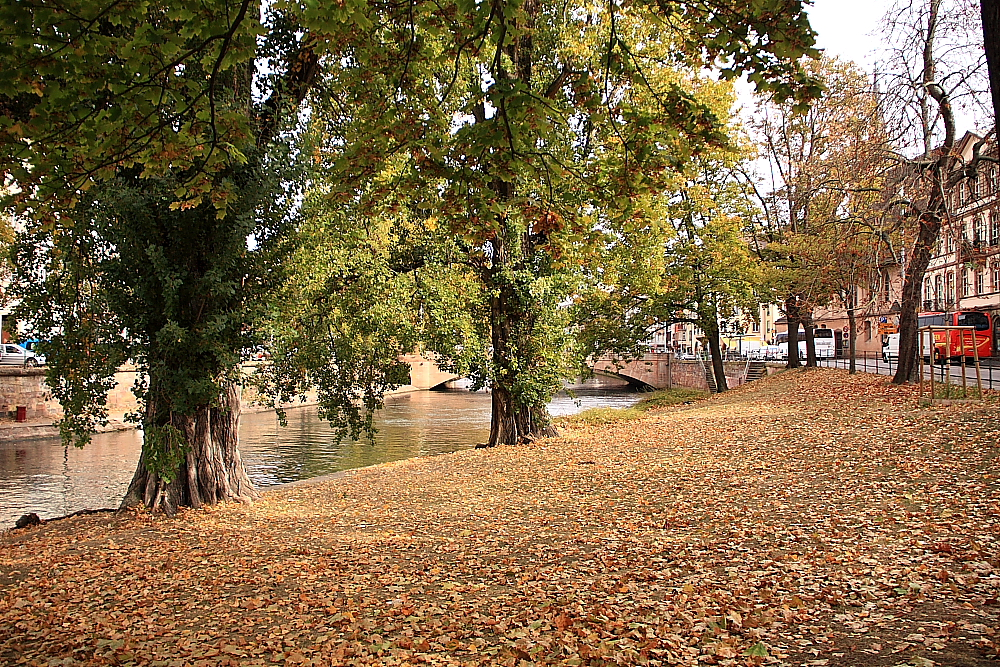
[[513, 186]]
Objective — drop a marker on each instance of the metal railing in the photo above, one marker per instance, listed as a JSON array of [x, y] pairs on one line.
[[872, 362]]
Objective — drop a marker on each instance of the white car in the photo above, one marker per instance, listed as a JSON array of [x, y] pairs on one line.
[[15, 355], [771, 353]]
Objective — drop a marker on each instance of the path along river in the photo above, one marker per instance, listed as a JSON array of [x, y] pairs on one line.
[[44, 477]]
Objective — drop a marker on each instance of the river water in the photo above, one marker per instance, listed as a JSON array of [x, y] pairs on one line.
[[44, 477]]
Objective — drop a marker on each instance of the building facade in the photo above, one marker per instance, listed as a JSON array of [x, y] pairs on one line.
[[963, 274]]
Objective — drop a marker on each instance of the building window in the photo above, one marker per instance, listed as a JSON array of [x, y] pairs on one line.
[[938, 293], [994, 228], [928, 292], [949, 287], [974, 189], [966, 285], [979, 231], [980, 283], [996, 277]]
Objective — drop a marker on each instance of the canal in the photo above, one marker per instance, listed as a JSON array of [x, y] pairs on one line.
[[44, 477]]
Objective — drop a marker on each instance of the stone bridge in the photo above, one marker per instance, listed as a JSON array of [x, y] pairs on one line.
[[425, 374], [651, 369], [664, 371]]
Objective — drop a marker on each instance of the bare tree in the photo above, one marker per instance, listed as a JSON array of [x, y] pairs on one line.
[[936, 68], [824, 166]]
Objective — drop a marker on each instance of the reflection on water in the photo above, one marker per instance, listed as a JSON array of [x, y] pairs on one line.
[[417, 424], [44, 477]]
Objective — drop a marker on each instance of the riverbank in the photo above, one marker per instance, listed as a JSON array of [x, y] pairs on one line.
[[23, 392], [807, 517]]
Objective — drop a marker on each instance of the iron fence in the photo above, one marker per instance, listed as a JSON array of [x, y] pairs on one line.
[[943, 371]]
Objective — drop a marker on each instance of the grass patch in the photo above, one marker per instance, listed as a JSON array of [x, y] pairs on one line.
[[657, 399], [952, 391], [602, 416], [667, 397]]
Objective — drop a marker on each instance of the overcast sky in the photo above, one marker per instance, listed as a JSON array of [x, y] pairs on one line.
[[845, 28]]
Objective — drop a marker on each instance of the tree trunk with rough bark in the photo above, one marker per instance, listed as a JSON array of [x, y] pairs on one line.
[[810, 333], [939, 180], [512, 330], [513, 314], [715, 348], [206, 465], [794, 320], [709, 322], [852, 341], [929, 230]]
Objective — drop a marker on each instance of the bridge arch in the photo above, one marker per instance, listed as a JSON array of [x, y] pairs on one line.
[[651, 369], [425, 373]]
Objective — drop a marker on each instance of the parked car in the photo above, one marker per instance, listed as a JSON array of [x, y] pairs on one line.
[[32, 346], [258, 353], [771, 353], [15, 355], [890, 348]]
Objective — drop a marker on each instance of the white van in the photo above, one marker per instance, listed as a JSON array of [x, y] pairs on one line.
[[890, 348], [823, 338]]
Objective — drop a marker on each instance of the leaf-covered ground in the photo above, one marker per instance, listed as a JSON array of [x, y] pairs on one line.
[[810, 518]]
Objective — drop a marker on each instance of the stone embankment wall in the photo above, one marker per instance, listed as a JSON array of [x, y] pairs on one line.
[[663, 371], [25, 387], [691, 374]]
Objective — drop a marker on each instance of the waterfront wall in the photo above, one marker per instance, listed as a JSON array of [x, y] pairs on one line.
[[691, 374], [688, 374], [663, 371], [25, 387]]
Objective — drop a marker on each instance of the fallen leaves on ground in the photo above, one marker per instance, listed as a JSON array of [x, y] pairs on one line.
[[806, 519]]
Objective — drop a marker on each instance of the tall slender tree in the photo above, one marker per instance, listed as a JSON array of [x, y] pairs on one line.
[[936, 69], [532, 138]]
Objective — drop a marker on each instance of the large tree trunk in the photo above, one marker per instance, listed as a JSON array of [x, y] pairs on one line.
[[810, 331], [710, 324], [512, 323], [513, 315], [794, 319], [512, 423], [939, 181], [852, 341], [203, 468], [930, 228]]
